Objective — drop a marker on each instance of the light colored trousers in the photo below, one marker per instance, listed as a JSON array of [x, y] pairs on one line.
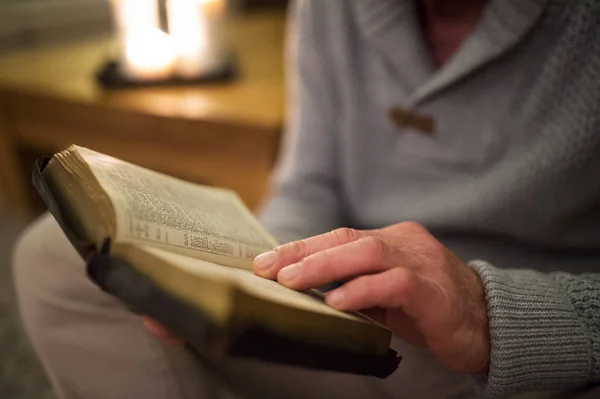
[[91, 346]]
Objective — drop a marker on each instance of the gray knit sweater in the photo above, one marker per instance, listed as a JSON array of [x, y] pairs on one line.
[[510, 180]]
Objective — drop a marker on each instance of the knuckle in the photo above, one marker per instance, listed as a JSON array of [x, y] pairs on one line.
[[423, 246], [373, 247], [298, 247], [318, 259], [403, 280], [344, 234], [413, 227]]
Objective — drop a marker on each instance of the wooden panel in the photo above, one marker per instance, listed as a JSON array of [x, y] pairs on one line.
[[254, 97], [236, 157], [221, 134], [13, 182]]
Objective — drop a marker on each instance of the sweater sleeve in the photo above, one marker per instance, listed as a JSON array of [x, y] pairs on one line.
[[544, 329], [303, 200]]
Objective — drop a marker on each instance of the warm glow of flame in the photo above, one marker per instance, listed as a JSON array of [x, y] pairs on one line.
[[133, 14], [213, 7], [149, 53], [188, 29], [192, 24], [191, 48]]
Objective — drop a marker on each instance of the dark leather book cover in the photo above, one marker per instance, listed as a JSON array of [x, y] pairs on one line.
[[116, 277]]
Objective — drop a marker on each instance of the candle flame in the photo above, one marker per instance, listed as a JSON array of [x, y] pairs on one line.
[[149, 52]]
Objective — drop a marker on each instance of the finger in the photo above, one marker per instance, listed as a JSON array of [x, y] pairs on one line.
[[375, 314], [394, 288], [268, 264], [364, 256], [160, 332], [400, 324]]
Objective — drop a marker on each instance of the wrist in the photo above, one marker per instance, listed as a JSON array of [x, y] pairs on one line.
[[520, 304], [480, 353]]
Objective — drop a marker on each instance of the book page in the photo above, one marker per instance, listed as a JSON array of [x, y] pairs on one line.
[[159, 210], [249, 282], [236, 299]]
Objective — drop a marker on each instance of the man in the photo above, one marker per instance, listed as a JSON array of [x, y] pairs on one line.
[[478, 120]]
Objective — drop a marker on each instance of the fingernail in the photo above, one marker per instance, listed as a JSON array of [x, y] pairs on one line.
[[265, 261], [289, 272], [335, 298]]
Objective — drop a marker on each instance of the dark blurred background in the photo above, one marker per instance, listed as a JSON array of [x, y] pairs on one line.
[[223, 133]]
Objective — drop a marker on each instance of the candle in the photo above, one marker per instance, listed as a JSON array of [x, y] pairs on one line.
[[132, 14], [149, 54], [196, 29], [146, 52]]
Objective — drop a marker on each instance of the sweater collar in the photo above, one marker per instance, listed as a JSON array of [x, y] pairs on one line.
[[392, 28]]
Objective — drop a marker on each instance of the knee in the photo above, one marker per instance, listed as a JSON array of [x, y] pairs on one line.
[[40, 254], [42, 238], [48, 273]]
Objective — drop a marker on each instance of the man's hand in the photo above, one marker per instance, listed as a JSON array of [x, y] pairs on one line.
[[399, 275], [157, 329]]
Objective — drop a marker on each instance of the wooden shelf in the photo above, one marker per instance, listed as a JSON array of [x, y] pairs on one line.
[[221, 134]]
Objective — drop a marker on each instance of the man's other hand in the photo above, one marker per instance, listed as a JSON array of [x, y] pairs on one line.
[[401, 276], [160, 332]]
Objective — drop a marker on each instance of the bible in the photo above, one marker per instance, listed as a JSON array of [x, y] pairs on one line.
[[182, 254]]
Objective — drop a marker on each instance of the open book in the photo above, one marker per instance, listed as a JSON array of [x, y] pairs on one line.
[[182, 253]]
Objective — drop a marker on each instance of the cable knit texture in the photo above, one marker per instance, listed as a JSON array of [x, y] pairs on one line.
[[511, 176], [544, 329], [584, 292]]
